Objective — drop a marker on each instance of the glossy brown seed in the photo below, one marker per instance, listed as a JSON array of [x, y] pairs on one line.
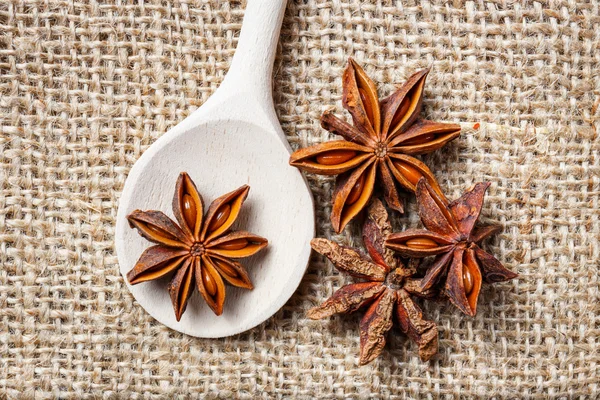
[[189, 211], [469, 264], [356, 191], [226, 268], [418, 140], [366, 104], [160, 232], [220, 218], [335, 157], [467, 280], [421, 243], [401, 111], [409, 172], [209, 283], [236, 244]]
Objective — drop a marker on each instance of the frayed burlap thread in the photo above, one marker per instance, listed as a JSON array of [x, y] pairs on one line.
[[87, 87]]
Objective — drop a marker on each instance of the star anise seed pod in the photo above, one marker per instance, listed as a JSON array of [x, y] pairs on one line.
[[451, 237], [380, 146], [387, 288], [200, 250]]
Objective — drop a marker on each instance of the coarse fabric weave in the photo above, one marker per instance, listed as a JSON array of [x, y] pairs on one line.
[[87, 86]]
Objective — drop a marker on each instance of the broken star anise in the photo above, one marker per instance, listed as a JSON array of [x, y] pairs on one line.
[[451, 236], [200, 250], [387, 289], [381, 144]]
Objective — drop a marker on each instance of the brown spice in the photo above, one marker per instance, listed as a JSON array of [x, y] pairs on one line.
[[200, 249], [451, 237], [387, 288], [381, 144]]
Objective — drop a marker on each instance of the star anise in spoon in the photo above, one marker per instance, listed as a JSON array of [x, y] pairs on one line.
[[200, 250], [387, 288], [451, 236], [381, 144]]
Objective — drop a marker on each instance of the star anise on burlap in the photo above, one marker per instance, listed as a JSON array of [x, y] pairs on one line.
[[200, 250], [380, 146], [451, 236], [387, 288]]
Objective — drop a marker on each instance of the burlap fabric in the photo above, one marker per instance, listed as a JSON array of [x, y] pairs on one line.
[[86, 87]]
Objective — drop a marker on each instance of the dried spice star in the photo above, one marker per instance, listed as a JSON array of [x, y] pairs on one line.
[[387, 288], [200, 250], [451, 237], [379, 146]]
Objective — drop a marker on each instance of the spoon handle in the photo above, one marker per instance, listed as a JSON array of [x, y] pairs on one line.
[[252, 66]]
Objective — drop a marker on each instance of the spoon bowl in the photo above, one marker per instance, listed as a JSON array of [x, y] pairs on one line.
[[232, 140]]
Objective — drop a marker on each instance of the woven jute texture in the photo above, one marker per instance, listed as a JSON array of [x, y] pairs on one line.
[[87, 86]]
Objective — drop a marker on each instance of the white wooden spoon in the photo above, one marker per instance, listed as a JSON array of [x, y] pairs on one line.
[[233, 139]]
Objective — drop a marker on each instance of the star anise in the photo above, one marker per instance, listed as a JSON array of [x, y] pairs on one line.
[[387, 288], [199, 250], [451, 236], [381, 144]]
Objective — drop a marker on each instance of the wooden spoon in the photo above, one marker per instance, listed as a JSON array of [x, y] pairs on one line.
[[233, 139]]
